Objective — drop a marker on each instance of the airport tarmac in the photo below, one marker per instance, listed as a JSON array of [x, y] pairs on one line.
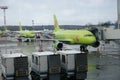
[[103, 66]]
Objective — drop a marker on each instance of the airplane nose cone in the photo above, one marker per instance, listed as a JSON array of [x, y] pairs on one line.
[[91, 40]]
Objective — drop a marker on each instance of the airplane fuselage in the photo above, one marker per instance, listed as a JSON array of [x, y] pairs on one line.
[[27, 34], [83, 37]]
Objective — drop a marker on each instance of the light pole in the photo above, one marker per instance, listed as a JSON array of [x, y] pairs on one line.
[[4, 8], [33, 24], [118, 13]]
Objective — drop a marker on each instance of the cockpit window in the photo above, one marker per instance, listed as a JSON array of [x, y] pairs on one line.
[[88, 35]]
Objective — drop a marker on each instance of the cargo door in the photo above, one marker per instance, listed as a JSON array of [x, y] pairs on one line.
[[81, 66], [54, 64], [21, 66], [81, 62]]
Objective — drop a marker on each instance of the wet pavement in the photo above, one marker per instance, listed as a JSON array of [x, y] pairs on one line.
[[106, 66]]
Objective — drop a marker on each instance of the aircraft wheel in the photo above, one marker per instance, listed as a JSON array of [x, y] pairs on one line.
[[83, 48]]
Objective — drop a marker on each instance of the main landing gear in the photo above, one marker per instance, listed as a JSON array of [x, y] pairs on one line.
[[83, 48]]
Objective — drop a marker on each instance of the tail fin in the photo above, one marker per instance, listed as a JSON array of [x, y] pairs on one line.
[[56, 25], [20, 26]]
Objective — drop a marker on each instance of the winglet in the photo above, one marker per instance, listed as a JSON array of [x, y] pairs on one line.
[[20, 26], [56, 25]]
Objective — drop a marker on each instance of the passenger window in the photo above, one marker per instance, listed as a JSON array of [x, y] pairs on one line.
[[88, 35], [63, 58], [36, 60]]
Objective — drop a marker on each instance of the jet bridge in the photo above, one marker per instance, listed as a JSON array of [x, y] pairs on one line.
[[108, 34], [111, 34]]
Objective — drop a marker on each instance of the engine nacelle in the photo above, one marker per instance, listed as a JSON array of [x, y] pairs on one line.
[[58, 45]]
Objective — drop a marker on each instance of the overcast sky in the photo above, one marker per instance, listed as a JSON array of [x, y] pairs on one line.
[[68, 12]]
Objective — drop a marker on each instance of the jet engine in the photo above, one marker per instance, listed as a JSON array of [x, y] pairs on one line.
[[58, 45]]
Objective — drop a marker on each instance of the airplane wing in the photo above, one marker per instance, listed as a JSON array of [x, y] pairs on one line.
[[65, 41], [40, 31]]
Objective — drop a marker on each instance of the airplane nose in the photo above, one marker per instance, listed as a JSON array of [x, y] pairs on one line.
[[91, 40]]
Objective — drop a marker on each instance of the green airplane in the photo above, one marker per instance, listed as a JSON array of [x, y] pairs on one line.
[[82, 37], [4, 33], [26, 33], [1, 33]]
